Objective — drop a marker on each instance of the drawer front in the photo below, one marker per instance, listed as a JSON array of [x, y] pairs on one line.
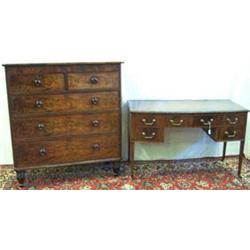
[[227, 134], [178, 121], [234, 119], [68, 124], [75, 149], [206, 119], [146, 120], [102, 80], [35, 83], [146, 134], [64, 103]]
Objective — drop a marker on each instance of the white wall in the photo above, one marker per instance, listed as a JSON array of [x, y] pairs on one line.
[[172, 50]]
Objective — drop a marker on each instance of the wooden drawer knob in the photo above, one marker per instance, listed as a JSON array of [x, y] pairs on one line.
[[93, 80], [95, 123], [38, 82], [40, 126], [43, 151], [39, 103], [94, 100], [96, 147]]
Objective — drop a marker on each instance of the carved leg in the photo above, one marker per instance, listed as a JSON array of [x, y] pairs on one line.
[[21, 177], [116, 168], [224, 150], [242, 143]]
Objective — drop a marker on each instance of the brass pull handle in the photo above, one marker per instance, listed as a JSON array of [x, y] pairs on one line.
[[148, 123], [174, 123], [40, 126], [95, 123], [94, 100], [39, 103], [93, 79], [231, 135], [42, 151], [233, 122], [96, 146], [38, 82], [148, 136], [208, 122]]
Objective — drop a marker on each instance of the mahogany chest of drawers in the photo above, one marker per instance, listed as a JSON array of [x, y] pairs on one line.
[[64, 114]]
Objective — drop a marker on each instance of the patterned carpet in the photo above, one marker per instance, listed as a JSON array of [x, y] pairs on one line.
[[183, 174]]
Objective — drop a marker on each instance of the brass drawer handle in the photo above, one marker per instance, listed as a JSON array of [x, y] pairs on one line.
[[93, 79], [233, 122], [38, 82], [95, 123], [96, 147], [208, 122], [148, 123], [174, 123], [40, 126], [231, 135], [145, 136], [94, 100], [39, 103], [42, 151]]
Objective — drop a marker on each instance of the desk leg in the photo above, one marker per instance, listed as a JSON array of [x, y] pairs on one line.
[[224, 150], [242, 143], [131, 157]]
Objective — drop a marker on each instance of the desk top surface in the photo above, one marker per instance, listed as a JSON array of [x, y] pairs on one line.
[[184, 106]]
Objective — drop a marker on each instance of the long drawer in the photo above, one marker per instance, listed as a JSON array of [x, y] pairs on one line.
[[79, 102], [73, 149], [33, 127]]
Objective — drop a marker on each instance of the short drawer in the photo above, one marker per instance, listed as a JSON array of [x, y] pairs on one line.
[[35, 83], [74, 149], [227, 134], [98, 80], [63, 125], [78, 102], [147, 134], [178, 120], [205, 119], [234, 119], [146, 120]]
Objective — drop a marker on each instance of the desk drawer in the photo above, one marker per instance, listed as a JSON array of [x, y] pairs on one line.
[[204, 120], [69, 150], [96, 101], [35, 83], [234, 119], [178, 121], [227, 134], [146, 120], [148, 134], [68, 124], [101, 80]]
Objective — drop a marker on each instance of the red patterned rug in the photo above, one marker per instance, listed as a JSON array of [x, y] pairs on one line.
[[183, 174]]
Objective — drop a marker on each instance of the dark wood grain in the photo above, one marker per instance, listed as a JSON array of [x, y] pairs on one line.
[[60, 115], [64, 103], [66, 124], [103, 80], [67, 150], [35, 83]]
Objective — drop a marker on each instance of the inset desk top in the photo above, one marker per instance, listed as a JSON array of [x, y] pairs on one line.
[[184, 106]]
